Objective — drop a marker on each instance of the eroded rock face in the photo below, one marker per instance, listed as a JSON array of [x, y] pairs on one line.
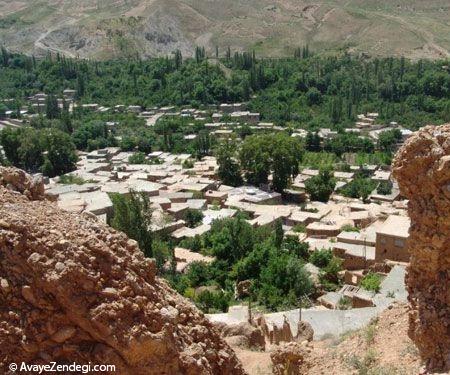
[[422, 169], [74, 290]]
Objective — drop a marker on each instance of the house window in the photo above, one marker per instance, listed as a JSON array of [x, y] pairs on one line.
[[399, 243]]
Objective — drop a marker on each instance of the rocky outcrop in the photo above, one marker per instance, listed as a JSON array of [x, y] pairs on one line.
[[74, 290], [17, 180], [422, 169]]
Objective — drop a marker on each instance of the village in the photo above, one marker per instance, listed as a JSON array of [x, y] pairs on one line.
[[368, 236], [229, 214]]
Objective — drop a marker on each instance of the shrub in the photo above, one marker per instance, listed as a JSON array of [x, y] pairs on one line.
[[371, 281], [292, 245], [344, 303], [193, 218], [385, 188], [329, 276], [192, 243], [299, 228], [321, 258], [349, 228], [210, 302], [188, 164], [70, 179], [138, 158]]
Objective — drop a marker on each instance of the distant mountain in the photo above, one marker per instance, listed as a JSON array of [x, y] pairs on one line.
[[116, 28]]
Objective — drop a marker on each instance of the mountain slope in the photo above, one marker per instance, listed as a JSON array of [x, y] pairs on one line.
[[112, 28]]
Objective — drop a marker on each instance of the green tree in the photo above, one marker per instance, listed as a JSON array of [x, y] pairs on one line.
[[359, 188], [312, 142], [60, 152], [284, 276], [320, 187], [293, 246], [132, 215], [278, 154], [278, 233], [388, 139], [51, 107], [231, 239], [229, 170], [10, 140]]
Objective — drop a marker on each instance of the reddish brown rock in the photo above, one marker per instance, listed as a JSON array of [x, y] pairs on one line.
[[17, 180], [74, 290], [422, 169]]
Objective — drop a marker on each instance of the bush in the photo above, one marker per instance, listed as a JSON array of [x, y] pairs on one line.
[[293, 246], [193, 218], [198, 273], [188, 164], [192, 243], [299, 228], [344, 303], [329, 276], [349, 228], [385, 188], [70, 179], [284, 276], [321, 258], [372, 282], [138, 158], [211, 302]]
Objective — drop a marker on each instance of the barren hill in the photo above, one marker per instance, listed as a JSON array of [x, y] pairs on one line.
[[112, 28]]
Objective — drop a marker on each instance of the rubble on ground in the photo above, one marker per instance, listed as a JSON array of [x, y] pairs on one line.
[[287, 359]]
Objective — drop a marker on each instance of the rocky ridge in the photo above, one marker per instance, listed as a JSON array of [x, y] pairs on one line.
[[422, 169], [75, 290]]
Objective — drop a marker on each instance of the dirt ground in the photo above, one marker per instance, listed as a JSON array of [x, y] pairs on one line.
[[381, 348]]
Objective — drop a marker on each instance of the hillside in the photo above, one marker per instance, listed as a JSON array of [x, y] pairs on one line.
[[113, 28]]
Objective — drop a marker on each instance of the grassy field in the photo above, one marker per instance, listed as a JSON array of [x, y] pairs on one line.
[[414, 28]]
